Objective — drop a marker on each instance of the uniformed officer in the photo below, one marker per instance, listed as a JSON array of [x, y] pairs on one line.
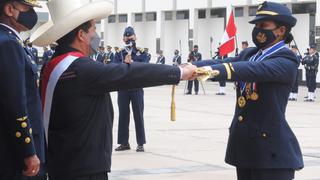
[[21, 128], [261, 144], [222, 84], [109, 55], [146, 51], [135, 96], [194, 56], [176, 61], [34, 51], [161, 59], [47, 55], [294, 91], [311, 63]]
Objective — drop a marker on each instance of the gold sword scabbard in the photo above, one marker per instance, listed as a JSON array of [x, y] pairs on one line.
[[204, 74], [173, 104]]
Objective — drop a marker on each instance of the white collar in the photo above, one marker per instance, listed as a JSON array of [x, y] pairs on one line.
[[13, 30]]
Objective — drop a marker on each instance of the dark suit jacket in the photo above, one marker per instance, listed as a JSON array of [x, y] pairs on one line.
[[260, 136], [80, 128]]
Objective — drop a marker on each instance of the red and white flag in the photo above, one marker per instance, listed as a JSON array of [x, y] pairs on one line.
[[229, 37]]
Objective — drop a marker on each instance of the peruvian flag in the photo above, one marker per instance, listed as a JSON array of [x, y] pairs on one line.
[[229, 37]]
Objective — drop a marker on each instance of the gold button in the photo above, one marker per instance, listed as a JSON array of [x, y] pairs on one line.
[[27, 140], [24, 125], [18, 134], [240, 118], [264, 135], [30, 130]]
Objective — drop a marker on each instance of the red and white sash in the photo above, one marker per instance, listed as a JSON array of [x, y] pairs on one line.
[[51, 75]]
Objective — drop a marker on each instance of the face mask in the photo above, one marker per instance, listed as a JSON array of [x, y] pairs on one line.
[[131, 43], [262, 37], [95, 43], [28, 19]]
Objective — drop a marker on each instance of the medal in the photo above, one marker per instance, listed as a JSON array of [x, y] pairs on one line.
[[254, 96], [241, 101]]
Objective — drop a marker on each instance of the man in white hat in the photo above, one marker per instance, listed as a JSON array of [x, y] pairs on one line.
[[75, 90]]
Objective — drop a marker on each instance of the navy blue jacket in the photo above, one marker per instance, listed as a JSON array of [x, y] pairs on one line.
[[47, 56], [260, 136], [21, 129]]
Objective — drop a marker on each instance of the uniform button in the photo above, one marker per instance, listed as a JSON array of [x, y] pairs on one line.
[[30, 130], [27, 140], [18, 134], [24, 125], [264, 135], [240, 118]]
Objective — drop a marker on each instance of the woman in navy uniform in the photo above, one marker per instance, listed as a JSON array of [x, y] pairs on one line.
[[261, 144], [21, 128]]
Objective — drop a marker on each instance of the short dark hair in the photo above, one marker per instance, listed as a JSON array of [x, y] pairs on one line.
[[68, 39], [245, 42]]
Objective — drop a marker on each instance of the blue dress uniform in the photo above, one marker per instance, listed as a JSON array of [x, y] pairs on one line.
[[135, 96], [261, 144], [194, 57], [47, 56], [21, 129], [311, 63]]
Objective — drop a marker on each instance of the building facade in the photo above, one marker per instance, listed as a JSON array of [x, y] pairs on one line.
[[179, 24]]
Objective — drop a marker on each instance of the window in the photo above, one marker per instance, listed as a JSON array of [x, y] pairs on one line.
[[123, 18], [183, 14], [201, 14], [112, 19], [219, 12], [138, 17], [168, 15], [253, 10], [306, 8], [151, 16], [238, 12]]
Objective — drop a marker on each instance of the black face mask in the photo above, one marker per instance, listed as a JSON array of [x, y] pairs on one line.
[[262, 37], [28, 19], [131, 42]]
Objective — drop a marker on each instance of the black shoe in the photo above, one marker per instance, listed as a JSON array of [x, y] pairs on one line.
[[196, 93], [188, 93], [140, 149], [222, 93], [290, 99], [294, 99], [123, 147]]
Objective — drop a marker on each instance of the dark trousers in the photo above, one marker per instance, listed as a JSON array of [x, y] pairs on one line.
[[136, 99], [222, 83], [97, 176], [196, 86], [295, 86], [265, 174], [311, 81]]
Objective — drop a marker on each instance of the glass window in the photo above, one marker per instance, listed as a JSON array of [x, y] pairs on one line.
[[138, 17], [202, 14], [151, 16], [183, 14], [112, 19], [253, 10], [168, 15], [305, 8], [238, 12], [219, 12], [123, 18]]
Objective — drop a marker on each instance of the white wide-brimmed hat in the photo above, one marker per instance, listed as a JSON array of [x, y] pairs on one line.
[[66, 15]]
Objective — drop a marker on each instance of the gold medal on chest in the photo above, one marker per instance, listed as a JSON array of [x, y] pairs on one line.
[[254, 96], [241, 101]]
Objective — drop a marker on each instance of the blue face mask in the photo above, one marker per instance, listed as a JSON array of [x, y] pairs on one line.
[[28, 19], [95, 43]]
